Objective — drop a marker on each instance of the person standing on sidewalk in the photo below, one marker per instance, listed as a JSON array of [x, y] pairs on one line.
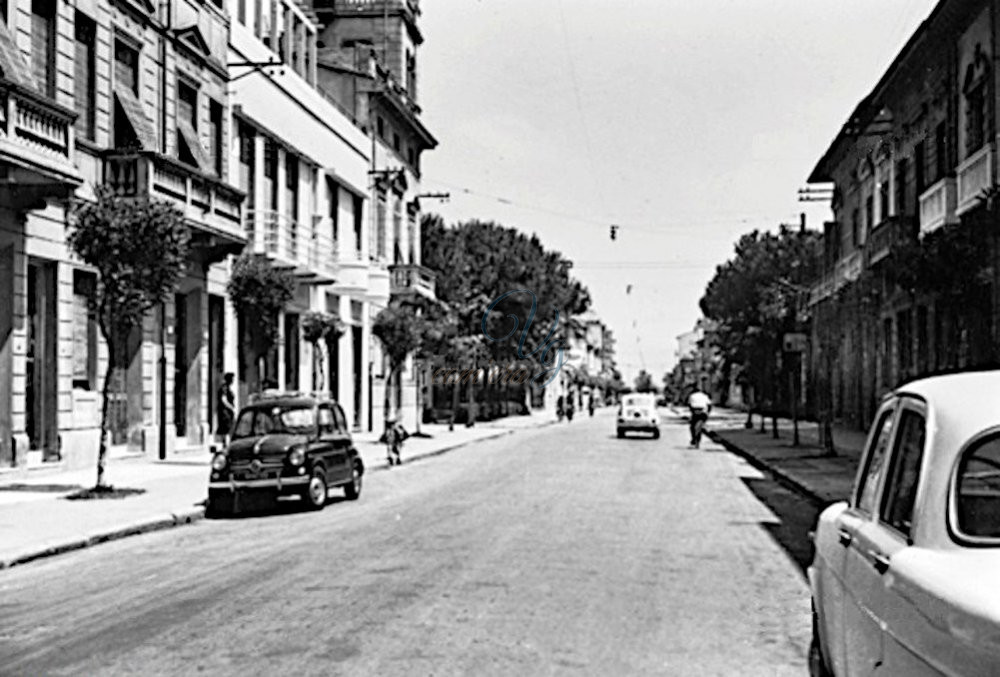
[[226, 406], [395, 434], [699, 404]]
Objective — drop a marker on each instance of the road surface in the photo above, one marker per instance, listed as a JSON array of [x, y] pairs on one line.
[[555, 551]]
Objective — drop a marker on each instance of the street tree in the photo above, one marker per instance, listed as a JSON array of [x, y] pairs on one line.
[[139, 247], [755, 297], [259, 292], [320, 329], [400, 328]]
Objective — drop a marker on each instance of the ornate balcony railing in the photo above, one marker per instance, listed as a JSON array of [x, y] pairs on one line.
[[410, 278], [937, 205], [975, 175], [201, 198], [277, 235], [893, 231]]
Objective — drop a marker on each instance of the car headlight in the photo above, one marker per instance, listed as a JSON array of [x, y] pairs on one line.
[[297, 456], [219, 462]]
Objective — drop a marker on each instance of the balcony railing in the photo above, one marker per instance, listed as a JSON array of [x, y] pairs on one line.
[[323, 248], [890, 233], [277, 235], [975, 175], [410, 278], [937, 205], [202, 198]]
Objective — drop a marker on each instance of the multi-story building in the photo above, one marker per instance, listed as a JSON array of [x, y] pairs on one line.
[[131, 94], [304, 164], [217, 109], [909, 169], [368, 64]]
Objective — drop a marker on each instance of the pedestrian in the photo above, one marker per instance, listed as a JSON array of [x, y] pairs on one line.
[[225, 401], [590, 404], [395, 435], [699, 405], [560, 407], [569, 407]]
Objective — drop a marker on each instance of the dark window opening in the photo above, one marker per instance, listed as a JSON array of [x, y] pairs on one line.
[[43, 45], [85, 76]]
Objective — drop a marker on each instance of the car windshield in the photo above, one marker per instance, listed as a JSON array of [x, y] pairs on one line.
[[267, 420], [639, 401]]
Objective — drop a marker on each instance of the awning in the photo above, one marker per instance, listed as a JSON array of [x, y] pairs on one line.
[[190, 138], [141, 125]]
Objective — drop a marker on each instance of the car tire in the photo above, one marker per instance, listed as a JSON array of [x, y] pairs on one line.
[[656, 434], [621, 433], [352, 490], [315, 494], [817, 663]]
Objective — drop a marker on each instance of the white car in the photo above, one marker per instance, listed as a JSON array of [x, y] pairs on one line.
[[905, 578], [637, 412]]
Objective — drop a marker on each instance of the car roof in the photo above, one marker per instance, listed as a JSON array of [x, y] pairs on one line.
[[283, 401], [967, 401]]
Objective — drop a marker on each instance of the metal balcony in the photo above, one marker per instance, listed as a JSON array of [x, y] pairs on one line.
[[411, 278], [892, 232]]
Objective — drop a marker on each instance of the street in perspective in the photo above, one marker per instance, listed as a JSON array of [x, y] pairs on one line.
[[389, 337]]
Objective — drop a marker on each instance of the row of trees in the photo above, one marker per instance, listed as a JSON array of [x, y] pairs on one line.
[[140, 247]]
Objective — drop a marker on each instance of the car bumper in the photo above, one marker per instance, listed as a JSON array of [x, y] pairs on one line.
[[276, 483], [638, 425]]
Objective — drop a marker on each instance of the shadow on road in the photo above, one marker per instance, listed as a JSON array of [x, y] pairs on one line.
[[263, 507], [796, 517]]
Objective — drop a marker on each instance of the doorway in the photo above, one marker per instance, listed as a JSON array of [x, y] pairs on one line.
[[180, 364], [40, 369], [216, 352]]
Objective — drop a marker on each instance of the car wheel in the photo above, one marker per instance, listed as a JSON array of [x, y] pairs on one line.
[[656, 434], [353, 488], [621, 433], [817, 663], [316, 490]]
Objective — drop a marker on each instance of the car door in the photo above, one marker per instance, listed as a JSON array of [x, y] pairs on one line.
[[861, 637], [342, 440], [327, 429], [890, 535], [333, 439]]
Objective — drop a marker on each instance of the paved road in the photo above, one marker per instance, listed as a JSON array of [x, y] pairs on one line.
[[556, 551]]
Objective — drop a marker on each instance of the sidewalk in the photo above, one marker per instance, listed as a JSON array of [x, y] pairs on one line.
[[805, 468], [37, 521]]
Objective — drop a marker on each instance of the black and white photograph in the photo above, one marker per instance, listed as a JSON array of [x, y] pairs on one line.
[[430, 338]]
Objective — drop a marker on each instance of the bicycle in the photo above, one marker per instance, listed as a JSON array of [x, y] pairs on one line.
[[698, 419]]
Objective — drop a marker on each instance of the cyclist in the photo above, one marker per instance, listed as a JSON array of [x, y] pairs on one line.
[[699, 405]]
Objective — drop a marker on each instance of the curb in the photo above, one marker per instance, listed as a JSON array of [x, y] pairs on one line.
[[779, 476], [190, 515], [171, 519]]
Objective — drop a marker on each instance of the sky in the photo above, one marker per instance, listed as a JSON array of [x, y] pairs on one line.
[[685, 122]]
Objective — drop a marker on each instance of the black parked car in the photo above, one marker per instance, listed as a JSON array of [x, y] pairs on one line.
[[286, 444]]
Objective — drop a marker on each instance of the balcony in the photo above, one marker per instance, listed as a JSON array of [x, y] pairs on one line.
[[283, 240], [975, 175], [323, 250], [893, 231], [937, 205], [410, 279], [211, 205], [36, 148], [352, 272], [378, 283]]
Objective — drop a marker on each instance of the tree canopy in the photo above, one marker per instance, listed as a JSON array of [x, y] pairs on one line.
[[477, 262]]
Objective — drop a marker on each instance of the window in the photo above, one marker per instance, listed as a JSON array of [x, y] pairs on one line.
[[940, 152], [904, 473], [397, 227], [324, 420], [215, 135], [126, 67], [411, 74], [241, 11], [84, 76], [904, 330], [922, 339], [358, 223], [918, 167], [395, 142], [246, 177], [886, 351], [187, 104], [869, 217], [875, 462], [43, 45], [901, 206], [975, 117], [380, 209], [883, 200], [411, 235], [84, 332], [292, 187], [271, 172], [978, 490], [380, 127], [341, 420], [333, 195]]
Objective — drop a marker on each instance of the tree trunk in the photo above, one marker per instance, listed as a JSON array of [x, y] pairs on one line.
[[386, 398], [454, 404], [102, 448]]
